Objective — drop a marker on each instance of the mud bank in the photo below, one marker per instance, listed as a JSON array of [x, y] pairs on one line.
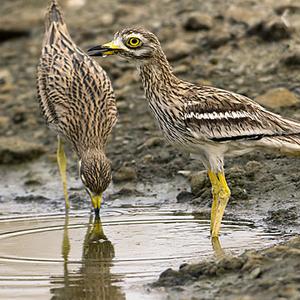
[[269, 274]]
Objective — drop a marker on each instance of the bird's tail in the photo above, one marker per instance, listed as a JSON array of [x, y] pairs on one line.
[[53, 15], [287, 144]]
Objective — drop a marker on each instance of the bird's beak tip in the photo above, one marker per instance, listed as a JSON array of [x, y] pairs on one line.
[[96, 51], [96, 202], [103, 50], [97, 213]]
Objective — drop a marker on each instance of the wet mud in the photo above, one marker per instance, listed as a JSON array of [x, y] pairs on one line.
[[249, 276], [247, 47]]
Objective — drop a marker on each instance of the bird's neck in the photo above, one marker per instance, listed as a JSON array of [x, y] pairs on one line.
[[90, 150], [157, 75]]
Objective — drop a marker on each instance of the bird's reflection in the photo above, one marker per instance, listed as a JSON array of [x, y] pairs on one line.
[[215, 241], [93, 280], [217, 247]]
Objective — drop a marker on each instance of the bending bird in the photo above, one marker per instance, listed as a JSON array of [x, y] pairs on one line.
[[78, 104]]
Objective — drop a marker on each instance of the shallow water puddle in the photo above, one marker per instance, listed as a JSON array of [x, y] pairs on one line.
[[112, 258]]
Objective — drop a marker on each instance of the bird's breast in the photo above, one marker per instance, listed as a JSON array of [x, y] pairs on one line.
[[170, 122]]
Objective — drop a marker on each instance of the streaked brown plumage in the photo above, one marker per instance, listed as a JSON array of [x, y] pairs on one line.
[[77, 102], [207, 122]]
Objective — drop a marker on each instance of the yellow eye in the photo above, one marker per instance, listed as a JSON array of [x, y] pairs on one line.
[[133, 42]]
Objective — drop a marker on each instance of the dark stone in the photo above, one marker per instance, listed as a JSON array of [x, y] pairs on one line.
[[15, 150], [31, 198], [9, 34], [124, 174], [292, 59], [126, 192], [184, 196], [283, 216], [216, 38], [198, 21], [273, 30]]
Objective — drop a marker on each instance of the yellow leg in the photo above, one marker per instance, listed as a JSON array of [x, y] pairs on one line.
[[221, 195], [215, 190], [62, 164]]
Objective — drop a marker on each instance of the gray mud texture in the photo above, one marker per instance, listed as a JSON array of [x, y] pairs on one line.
[[272, 273], [250, 47]]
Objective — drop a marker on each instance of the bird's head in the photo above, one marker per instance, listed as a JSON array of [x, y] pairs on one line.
[[132, 43], [95, 173]]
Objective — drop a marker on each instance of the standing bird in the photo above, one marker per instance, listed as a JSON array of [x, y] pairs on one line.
[[205, 121], [78, 103]]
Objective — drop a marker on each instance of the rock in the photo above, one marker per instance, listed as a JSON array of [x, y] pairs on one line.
[[184, 196], [292, 58], [198, 182], [198, 21], [163, 156], [283, 216], [204, 82], [281, 9], [125, 79], [10, 29], [253, 166], [123, 92], [31, 179], [6, 81], [4, 122], [178, 49], [107, 19], [19, 114], [8, 34], [230, 263], [277, 97], [271, 30], [255, 273], [236, 174], [123, 106], [75, 3], [15, 150], [31, 198], [124, 174], [242, 15], [216, 38], [238, 194], [181, 69], [152, 142], [125, 193], [171, 277], [148, 158]]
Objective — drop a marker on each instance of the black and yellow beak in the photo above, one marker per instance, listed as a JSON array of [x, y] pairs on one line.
[[103, 50], [96, 202]]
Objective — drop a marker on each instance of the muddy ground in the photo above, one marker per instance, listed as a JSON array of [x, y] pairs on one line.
[[250, 47]]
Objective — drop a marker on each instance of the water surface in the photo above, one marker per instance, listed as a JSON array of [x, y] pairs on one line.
[[76, 257]]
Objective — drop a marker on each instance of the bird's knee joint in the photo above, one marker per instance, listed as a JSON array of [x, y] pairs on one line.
[[225, 192]]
